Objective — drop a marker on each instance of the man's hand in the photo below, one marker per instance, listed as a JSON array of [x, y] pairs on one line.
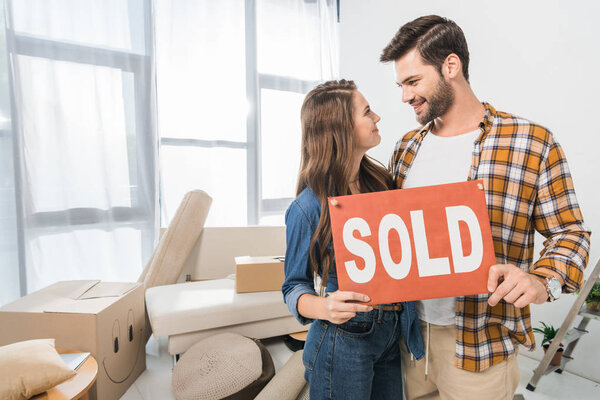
[[341, 306], [506, 281]]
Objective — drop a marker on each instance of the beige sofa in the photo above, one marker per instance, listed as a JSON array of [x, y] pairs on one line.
[[189, 311]]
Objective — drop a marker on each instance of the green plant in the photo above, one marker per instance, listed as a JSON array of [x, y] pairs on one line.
[[548, 331], [593, 297]]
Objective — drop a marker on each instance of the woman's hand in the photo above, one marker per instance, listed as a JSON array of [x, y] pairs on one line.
[[339, 307]]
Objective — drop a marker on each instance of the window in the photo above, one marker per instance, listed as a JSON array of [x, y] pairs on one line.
[[84, 146], [90, 84], [289, 65], [231, 80]]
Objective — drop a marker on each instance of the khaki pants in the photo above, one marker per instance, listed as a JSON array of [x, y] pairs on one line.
[[445, 381]]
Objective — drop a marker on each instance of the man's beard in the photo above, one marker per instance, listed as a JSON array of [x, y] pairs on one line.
[[438, 103]]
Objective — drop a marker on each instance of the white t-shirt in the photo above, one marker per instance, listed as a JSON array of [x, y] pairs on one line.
[[440, 160]]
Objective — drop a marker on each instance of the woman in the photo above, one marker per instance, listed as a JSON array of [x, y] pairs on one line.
[[352, 349]]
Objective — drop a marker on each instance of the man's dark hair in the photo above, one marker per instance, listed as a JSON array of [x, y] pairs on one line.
[[434, 37]]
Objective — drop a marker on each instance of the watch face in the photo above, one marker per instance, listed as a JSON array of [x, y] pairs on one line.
[[554, 287]]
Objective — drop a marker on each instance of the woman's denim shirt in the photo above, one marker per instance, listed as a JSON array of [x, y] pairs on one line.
[[301, 220]]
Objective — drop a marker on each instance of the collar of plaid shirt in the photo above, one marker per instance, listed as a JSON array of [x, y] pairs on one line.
[[528, 187]]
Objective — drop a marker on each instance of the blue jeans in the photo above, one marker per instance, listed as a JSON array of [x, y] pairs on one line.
[[359, 359]]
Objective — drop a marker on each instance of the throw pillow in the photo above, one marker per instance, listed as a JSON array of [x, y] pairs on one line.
[[29, 368]]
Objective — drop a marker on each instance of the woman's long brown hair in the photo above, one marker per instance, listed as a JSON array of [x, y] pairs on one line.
[[326, 163]]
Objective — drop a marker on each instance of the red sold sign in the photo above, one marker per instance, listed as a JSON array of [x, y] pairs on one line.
[[413, 244]]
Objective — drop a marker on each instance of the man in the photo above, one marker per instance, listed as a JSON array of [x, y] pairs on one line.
[[472, 341]]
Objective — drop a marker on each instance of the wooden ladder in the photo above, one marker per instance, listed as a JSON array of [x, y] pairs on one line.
[[566, 336]]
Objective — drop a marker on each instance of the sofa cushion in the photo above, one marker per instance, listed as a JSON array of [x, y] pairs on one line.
[[213, 255], [266, 328], [194, 306], [175, 245]]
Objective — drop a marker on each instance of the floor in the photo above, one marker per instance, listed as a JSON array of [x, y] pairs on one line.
[[155, 382]]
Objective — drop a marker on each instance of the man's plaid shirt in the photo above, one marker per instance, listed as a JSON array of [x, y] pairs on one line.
[[528, 187]]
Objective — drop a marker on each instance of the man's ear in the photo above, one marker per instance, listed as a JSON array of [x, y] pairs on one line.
[[452, 67]]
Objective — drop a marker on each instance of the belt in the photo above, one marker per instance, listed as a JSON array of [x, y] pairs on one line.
[[387, 307]]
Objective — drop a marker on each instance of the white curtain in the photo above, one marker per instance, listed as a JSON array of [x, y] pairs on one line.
[[9, 259], [231, 77], [100, 88], [83, 138]]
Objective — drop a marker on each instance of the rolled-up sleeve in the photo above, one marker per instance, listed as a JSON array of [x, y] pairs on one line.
[[557, 216], [298, 271], [291, 300]]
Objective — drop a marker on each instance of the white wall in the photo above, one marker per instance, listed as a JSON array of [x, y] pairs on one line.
[[537, 59]]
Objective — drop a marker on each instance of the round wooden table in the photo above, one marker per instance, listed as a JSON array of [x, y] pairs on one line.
[[78, 386]]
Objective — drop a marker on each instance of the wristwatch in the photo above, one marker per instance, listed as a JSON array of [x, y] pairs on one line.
[[554, 288]]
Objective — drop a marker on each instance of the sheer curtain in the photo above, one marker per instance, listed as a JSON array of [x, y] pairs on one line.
[[9, 260], [88, 85], [83, 140], [231, 77]]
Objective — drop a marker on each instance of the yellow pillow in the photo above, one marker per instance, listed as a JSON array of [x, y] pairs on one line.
[[29, 368]]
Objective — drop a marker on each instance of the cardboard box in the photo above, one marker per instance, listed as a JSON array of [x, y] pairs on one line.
[[107, 319], [258, 274]]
